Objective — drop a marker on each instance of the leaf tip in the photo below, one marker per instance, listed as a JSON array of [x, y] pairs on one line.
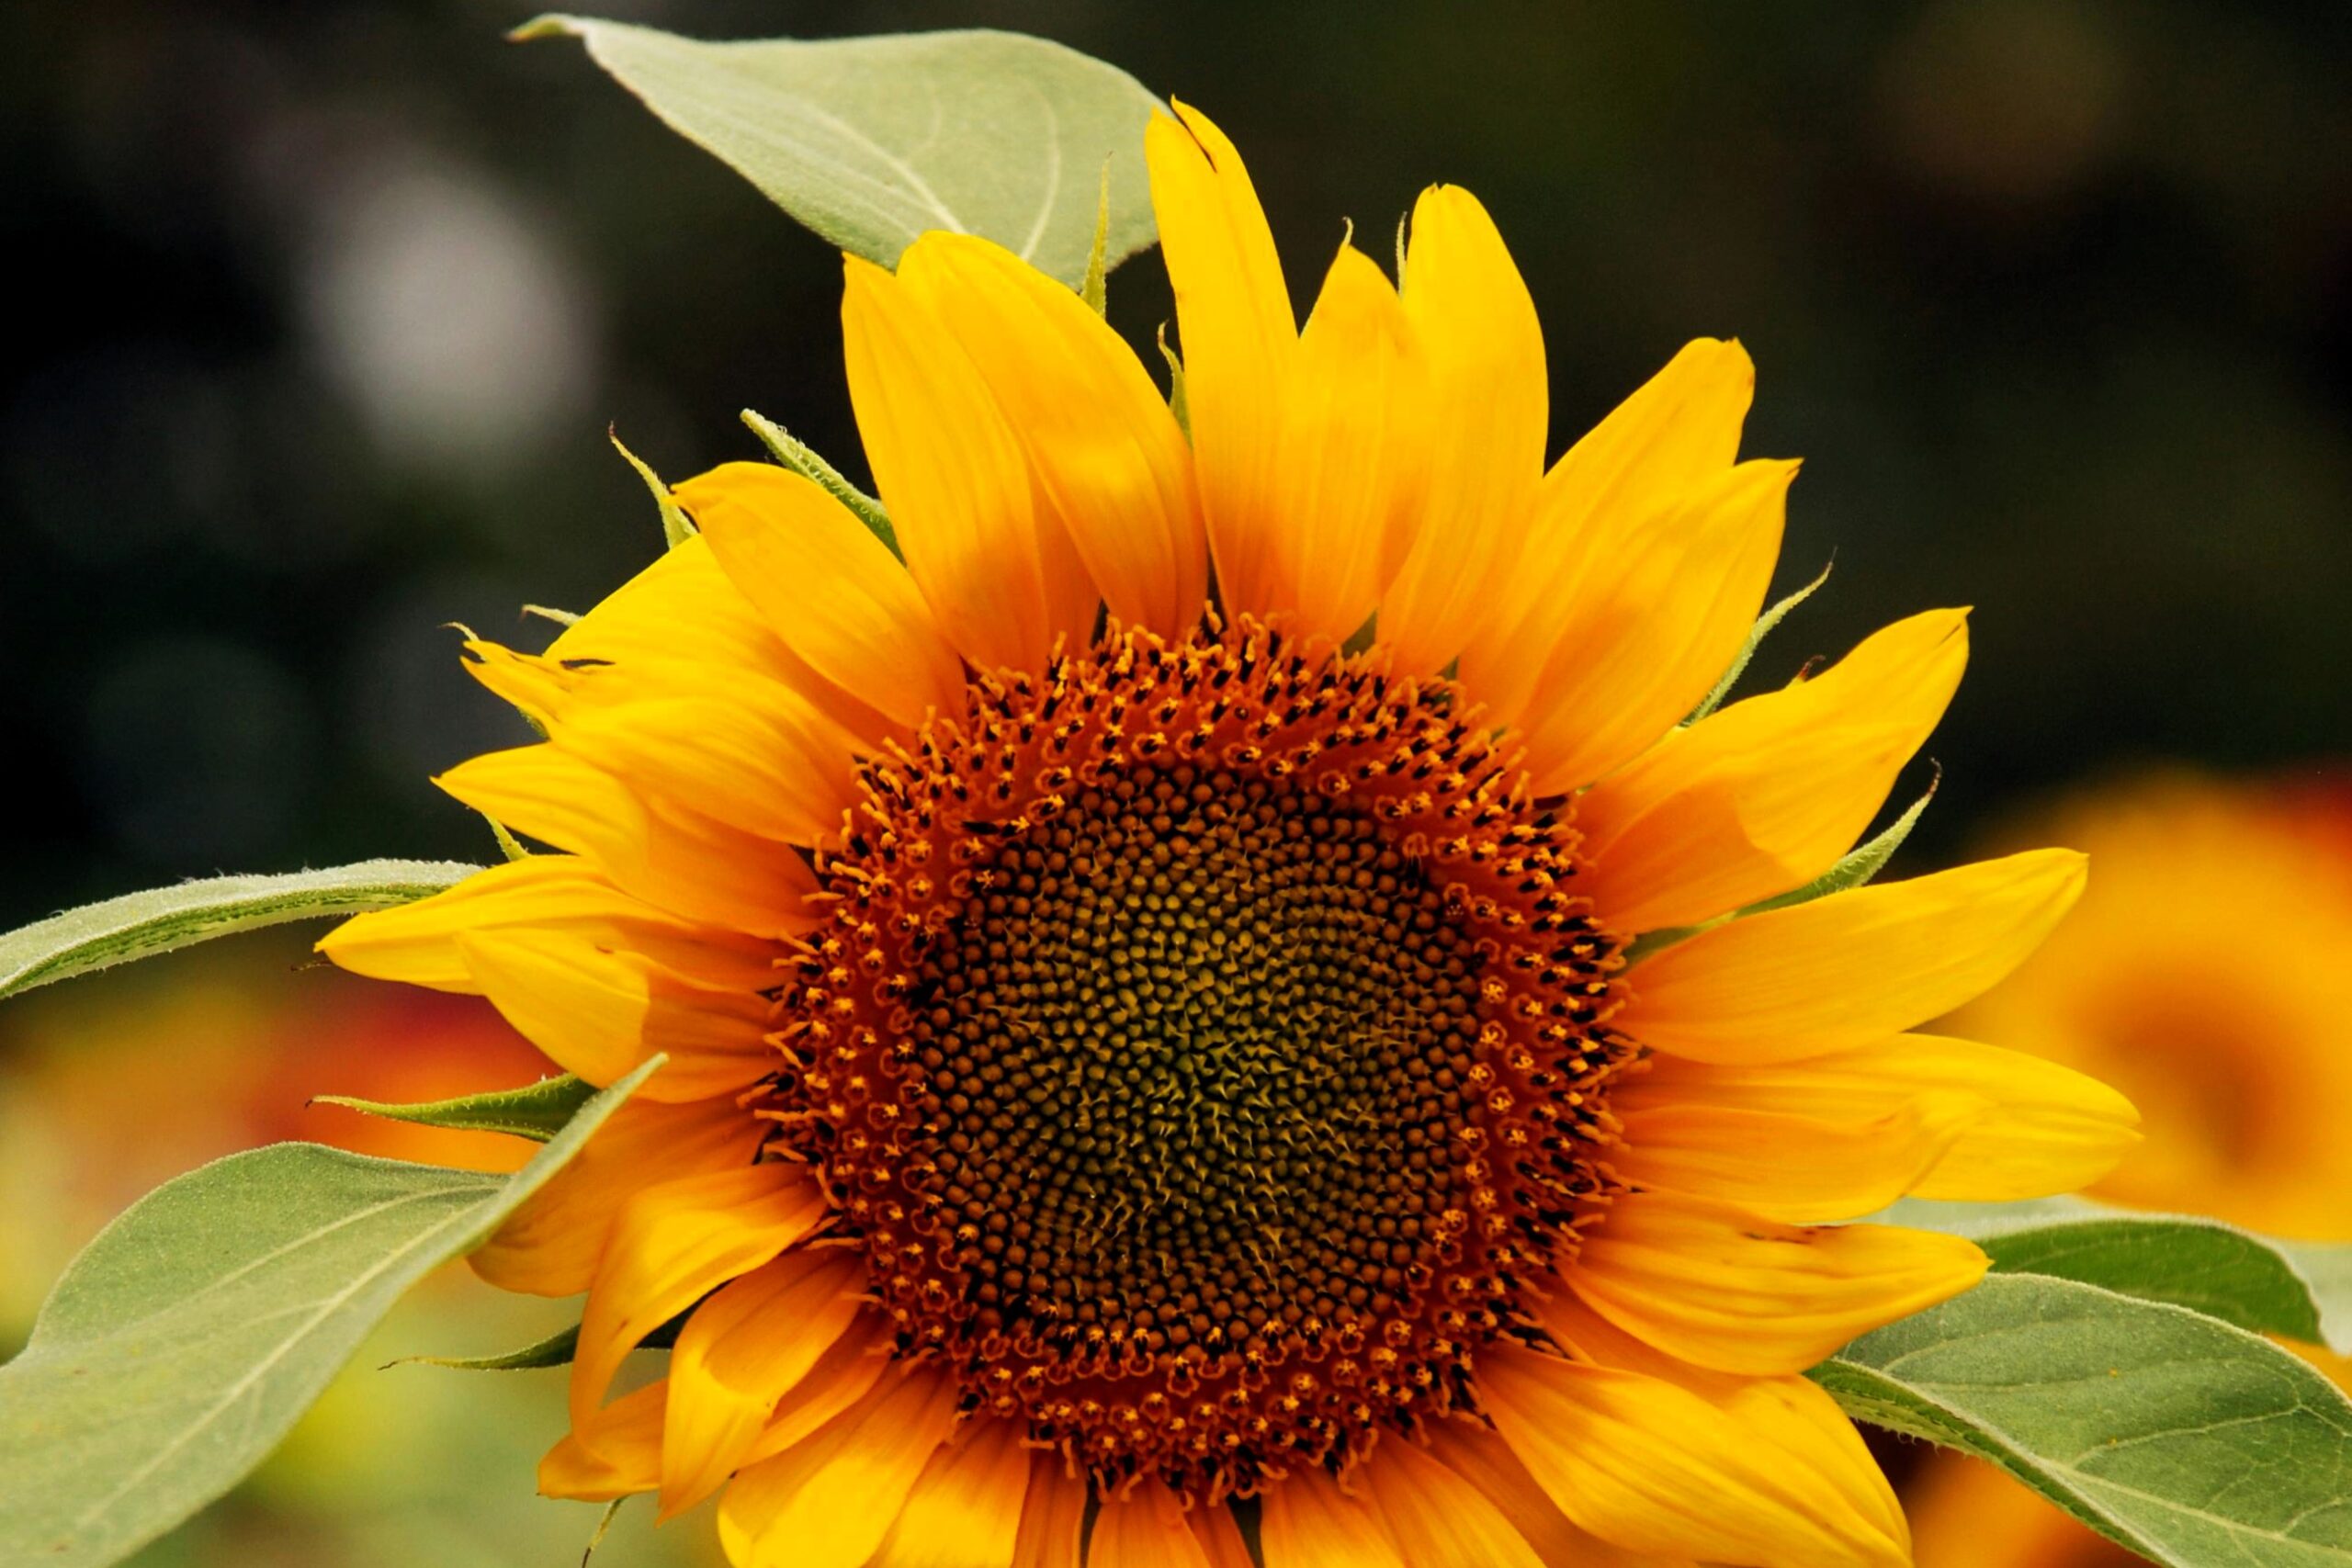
[[552, 24]]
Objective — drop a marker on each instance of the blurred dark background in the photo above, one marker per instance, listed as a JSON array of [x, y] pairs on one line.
[[319, 313]]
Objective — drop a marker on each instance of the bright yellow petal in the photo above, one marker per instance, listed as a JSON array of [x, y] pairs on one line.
[[743, 1349], [1474, 1452], [691, 865], [1651, 626], [1654, 1467], [1219, 1534], [829, 1502], [551, 1245], [616, 1454], [676, 1242], [1103, 445], [600, 1013], [1053, 1517], [1488, 420], [964, 1510], [1801, 1168], [845, 1374], [1239, 332], [416, 943], [1679, 431], [1351, 467], [828, 589], [2045, 1128], [723, 757], [1309, 1523], [954, 477], [1722, 1287], [1436, 1517], [1144, 1528], [1850, 969], [1767, 794]]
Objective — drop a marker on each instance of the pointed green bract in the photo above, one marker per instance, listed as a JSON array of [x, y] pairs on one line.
[[1858, 865], [187, 1339], [1096, 288], [140, 925], [1772, 617], [555, 1350], [537, 1110], [676, 526], [802, 459], [2192, 1442], [870, 142]]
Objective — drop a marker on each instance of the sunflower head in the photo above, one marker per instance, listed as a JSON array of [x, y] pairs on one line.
[[1148, 975]]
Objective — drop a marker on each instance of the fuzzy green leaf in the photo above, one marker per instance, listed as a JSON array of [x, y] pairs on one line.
[[2299, 1290], [537, 1110], [1858, 865], [676, 526], [555, 1350], [870, 141], [1772, 617], [140, 925], [187, 1339], [2188, 1440]]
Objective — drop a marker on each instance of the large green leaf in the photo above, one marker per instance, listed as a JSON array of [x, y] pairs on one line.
[[139, 925], [2299, 1289], [872, 140], [2189, 1442], [185, 1341]]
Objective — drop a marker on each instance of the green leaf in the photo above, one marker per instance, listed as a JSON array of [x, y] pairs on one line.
[[140, 925], [537, 1110], [186, 1340], [676, 526], [797, 456], [870, 141], [2299, 1290], [1755, 635], [555, 1350], [2187, 1440]]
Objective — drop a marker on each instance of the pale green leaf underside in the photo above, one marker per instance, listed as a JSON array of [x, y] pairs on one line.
[[2299, 1290], [186, 1340], [2189, 1442], [140, 925], [537, 1111], [870, 142]]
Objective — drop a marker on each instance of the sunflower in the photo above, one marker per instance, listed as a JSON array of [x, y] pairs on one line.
[[2233, 1046], [1155, 1063]]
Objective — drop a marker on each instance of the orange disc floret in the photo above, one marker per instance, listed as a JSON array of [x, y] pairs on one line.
[[1203, 1041]]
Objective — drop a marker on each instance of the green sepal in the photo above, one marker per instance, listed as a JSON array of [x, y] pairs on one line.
[[508, 845], [676, 526], [1094, 288], [537, 1112], [795, 454], [1176, 403], [1755, 635]]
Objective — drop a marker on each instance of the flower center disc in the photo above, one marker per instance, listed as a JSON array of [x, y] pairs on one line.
[[1203, 1042]]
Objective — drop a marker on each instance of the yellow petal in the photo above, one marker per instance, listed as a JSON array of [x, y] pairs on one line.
[[848, 1370], [1309, 1523], [828, 589], [416, 943], [1850, 969], [691, 865], [828, 1502], [1680, 431], [1351, 464], [1053, 1517], [1652, 1466], [1804, 1169], [1219, 1534], [1472, 1451], [2045, 1128], [964, 1510], [617, 1454], [743, 1349], [676, 1242], [1105, 448], [1234, 314], [1650, 627], [1144, 1528], [723, 757], [1722, 1287], [551, 1245], [600, 1013], [1437, 1519], [1767, 794], [955, 478], [1488, 419]]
